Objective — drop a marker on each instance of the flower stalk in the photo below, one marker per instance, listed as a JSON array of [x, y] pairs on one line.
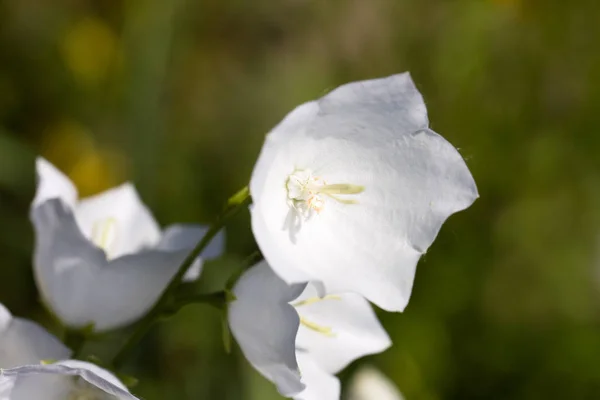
[[235, 204]]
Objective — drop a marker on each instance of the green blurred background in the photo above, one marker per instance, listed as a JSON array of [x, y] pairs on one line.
[[178, 95]]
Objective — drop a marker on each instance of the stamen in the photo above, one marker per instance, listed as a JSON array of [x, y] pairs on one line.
[[104, 233], [307, 193], [313, 300], [341, 188], [325, 330]]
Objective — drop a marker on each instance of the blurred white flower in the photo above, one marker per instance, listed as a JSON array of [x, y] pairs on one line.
[[103, 260], [369, 383], [352, 189], [297, 340], [63, 380], [24, 344]]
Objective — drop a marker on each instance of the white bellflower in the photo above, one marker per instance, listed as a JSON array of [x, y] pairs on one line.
[[298, 340], [351, 189], [103, 260]]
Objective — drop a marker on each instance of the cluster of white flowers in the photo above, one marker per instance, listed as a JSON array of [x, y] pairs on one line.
[[347, 194], [99, 263]]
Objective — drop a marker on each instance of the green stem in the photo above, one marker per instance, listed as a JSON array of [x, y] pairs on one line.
[[237, 203], [216, 299], [74, 339]]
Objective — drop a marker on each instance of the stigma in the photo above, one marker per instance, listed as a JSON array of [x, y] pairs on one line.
[[307, 194]]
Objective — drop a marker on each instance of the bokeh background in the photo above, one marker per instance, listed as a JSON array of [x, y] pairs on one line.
[[178, 95]]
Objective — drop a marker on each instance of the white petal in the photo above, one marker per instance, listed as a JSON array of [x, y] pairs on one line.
[[274, 162], [320, 385], [6, 386], [372, 134], [81, 286], [27, 386], [5, 318], [130, 285], [395, 96], [182, 237], [97, 376], [278, 248], [53, 184], [51, 382], [356, 331], [65, 263], [370, 384], [120, 216], [265, 326], [25, 342], [186, 237]]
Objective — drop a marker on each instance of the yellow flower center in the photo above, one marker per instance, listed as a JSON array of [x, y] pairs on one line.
[[307, 193]]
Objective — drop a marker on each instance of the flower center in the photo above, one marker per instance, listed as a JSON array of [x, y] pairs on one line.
[[307, 193], [313, 326], [104, 233]]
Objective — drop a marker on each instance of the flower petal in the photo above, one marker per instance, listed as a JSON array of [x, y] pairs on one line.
[[265, 326], [81, 286], [370, 384], [394, 98], [320, 385], [272, 164], [186, 237], [279, 249], [372, 134], [97, 376], [355, 329], [65, 263], [25, 342], [21, 385], [32, 381], [6, 386], [53, 184], [120, 215], [129, 286]]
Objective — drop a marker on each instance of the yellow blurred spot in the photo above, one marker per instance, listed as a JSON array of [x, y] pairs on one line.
[[97, 171], [65, 142], [91, 168], [90, 49]]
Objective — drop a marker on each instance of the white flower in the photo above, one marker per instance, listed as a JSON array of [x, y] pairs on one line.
[[352, 189], [369, 383], [63, 380], [103, 260], [298, 340], [24, 344]]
